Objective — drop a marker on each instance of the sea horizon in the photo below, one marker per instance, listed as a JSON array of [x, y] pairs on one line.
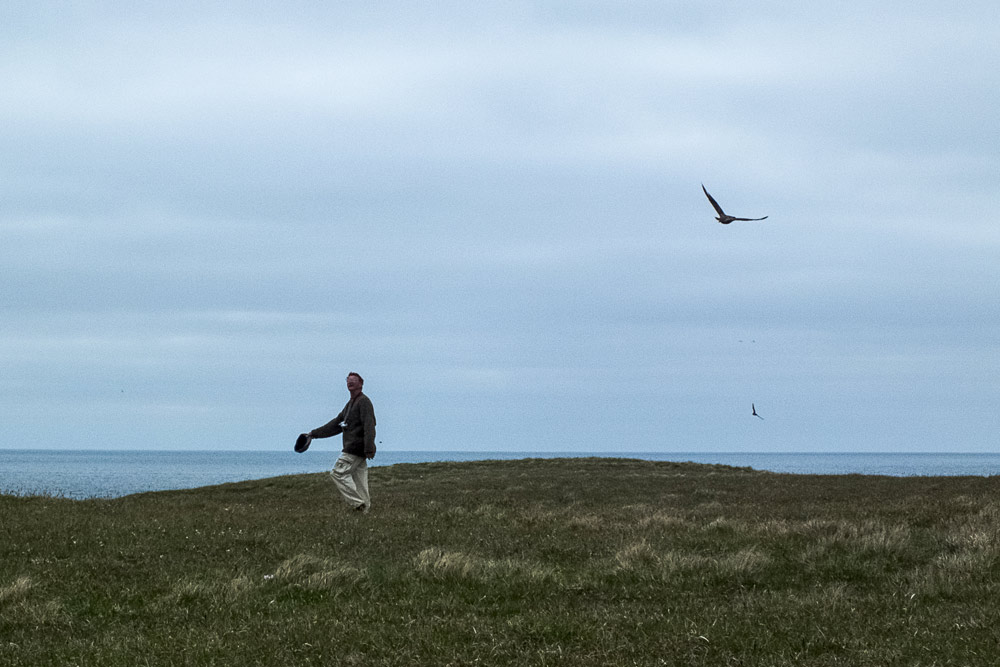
[[107, 473]]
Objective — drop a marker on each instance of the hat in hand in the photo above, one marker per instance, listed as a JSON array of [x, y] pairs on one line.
[[302, 443]]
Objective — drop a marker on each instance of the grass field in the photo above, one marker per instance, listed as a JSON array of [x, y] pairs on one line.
[[531, 562]]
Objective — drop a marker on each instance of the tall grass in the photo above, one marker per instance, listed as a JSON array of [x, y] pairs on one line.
[[533, 562]]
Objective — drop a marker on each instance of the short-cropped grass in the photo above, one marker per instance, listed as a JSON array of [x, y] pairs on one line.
[[530, 562]]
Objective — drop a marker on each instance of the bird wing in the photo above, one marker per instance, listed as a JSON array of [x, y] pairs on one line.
[[750, 219], [715, 204]]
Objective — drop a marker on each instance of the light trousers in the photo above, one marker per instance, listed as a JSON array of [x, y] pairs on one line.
[[350, 474]]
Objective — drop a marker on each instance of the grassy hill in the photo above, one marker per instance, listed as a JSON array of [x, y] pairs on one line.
[[531, 562]]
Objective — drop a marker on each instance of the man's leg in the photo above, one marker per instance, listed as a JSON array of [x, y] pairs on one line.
[[343, 475], [361, 483]]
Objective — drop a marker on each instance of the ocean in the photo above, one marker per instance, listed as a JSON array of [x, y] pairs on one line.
[[81, 474]]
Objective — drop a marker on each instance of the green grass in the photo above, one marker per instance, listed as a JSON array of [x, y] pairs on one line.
[[532, 562]]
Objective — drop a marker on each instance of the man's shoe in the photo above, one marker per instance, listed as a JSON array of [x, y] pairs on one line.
[[361, 508]]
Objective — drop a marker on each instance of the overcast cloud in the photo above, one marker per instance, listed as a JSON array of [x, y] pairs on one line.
[[494, 213]]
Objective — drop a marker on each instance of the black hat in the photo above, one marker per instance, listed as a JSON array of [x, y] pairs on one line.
[[302, 443]]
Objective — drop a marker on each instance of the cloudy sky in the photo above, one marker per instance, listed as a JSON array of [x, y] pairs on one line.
[[211, 212]]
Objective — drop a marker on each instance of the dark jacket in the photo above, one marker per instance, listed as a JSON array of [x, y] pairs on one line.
[[359, 430]]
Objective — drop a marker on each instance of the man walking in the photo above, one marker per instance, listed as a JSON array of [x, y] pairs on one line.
[[357, 422]]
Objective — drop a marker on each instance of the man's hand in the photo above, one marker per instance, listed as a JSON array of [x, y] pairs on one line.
[[370, 452]]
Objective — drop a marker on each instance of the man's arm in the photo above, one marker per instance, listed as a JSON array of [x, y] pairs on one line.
[[368, 419], [330, 428]]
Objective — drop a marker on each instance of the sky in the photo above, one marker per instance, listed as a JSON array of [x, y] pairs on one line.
[[211, 212]]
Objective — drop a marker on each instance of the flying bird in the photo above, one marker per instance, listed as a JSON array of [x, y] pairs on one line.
[[723, 218], [754, 409]]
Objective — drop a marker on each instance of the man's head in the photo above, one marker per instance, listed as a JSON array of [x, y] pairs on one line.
[[354, 382]]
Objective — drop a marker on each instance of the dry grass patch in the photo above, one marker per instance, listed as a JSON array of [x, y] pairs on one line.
[[316, 574], [21, 604], [439, 563], [15, 592], [590, 522], [641, 558], [663, 520]]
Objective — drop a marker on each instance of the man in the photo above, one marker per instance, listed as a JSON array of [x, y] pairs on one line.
[[357, 422]]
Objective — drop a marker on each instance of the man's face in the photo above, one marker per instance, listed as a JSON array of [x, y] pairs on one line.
[[353, 384]]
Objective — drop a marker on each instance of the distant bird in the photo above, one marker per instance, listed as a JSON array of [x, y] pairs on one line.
[[723, 218], [754, 409]]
